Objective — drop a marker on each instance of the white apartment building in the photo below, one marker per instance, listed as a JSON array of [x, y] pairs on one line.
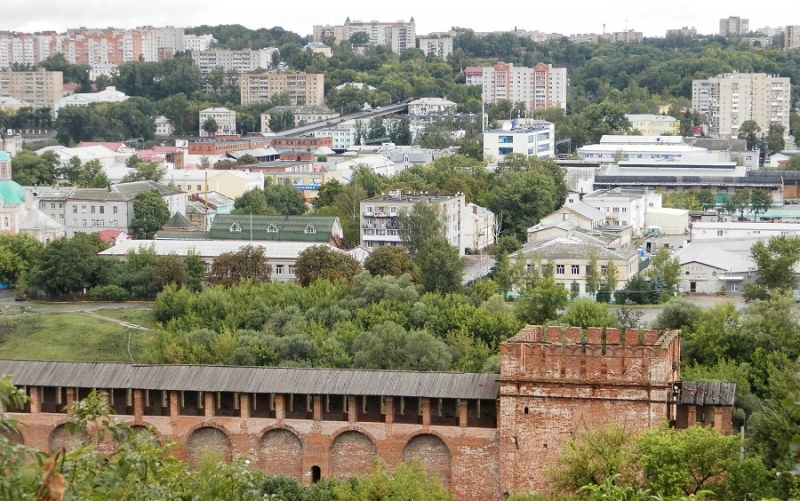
[[343, 135], [792, 37], [624, 207], [478, 228], [109, 70], [164, 126], [439, 47], [397, 36], [655, 125], [303, 89], [225, 118], [734, 25], [379, 217], [539, 87], [170, 37], [197, 43], [108, 95], [431, 106], [536, 139], [728, 100], [243, 61], [627, 36]]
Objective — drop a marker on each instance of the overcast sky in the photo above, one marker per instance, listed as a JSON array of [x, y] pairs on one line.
[[576, 16]]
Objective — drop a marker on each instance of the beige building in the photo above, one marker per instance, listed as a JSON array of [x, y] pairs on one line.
[[792, 37], [683, 32], [41, 89], [539, 87], [734, 25], [229, 183], [302, 115], [11, 104], [225, 118], [397, 36], [570, 257], [655, 125], [437, 46], [729, 100], [304, 89]]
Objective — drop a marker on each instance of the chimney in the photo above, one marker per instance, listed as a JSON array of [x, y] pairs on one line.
[[474, 209]]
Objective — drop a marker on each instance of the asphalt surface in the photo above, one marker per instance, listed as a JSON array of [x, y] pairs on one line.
[[476, 267]]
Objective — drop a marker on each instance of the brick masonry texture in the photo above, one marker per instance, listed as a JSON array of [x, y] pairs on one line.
[[554, 382]]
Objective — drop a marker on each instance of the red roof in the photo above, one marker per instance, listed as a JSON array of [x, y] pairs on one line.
[[165, 149], [110, 235], [473, 70], [111, 146], [150, 156]]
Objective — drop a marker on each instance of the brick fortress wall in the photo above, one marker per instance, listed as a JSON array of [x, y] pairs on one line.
[[557, 381]]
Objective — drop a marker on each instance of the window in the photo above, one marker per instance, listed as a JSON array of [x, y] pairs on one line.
[[603, 270], [392, 210], [576, 269], [235, 227], [83, 209], [291, 269], [61, 216], [272, 229], [74, 209], [83, 222], [588, 270], [53, 205], [102, 209], [505, 139], [199, 187], [720, 233], [42, 205], [616, 209], [505, 151], [92, 209], [5, 222], [310, 229], [279, 269], [115, 209], [624, 209], [559, 269], [369, 209]]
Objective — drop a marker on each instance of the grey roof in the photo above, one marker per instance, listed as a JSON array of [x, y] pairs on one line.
[[707, 393], [36, 220], [721, 144], [121, 192], [252, 379], [215, 199], [572, 247], [585, 210]]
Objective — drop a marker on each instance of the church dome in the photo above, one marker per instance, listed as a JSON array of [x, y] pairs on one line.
[[11, 193]]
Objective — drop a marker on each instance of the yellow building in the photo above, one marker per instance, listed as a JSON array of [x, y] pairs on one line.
[[39, 88], [231, 183], [655, 125]]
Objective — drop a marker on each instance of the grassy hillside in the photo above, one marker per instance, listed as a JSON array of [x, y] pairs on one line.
[[75, 336]]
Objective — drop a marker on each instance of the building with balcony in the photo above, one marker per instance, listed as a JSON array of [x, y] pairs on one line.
[[539, 87], [734, 25], [379, 215], [792, 37], [303, 89], [40, 89], [440, 47], [396, 36], [242, 61], [727, 101], [535, 139]]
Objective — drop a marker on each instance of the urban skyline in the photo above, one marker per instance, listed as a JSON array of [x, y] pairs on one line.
[[583, 16]]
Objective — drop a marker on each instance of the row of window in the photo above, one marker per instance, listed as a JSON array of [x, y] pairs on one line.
[[279, 270], [561, 269], [95, 222], [101, 209]]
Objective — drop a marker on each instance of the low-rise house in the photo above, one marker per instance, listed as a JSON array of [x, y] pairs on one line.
[[571, 256], [581, 213], [710, 268], [224, 118], [624, 207], [741, 229], [164, 126]]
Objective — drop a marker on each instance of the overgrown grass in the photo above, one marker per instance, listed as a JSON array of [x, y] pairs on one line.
[[70, 337], [138, 316]]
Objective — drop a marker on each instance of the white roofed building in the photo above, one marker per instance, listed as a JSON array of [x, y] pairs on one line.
[[108, 95]]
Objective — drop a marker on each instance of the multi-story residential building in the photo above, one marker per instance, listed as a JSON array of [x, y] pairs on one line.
[[91, 210], [397, 36], [225, 119], [107, 95], [478, 228], [303, 115], [303, 89], [343, 135], [243, 61], [734, 25], [109, 70], [170, 37], [729, 100], [437, 46], [539, 87], [535, 139], [41, 89], [655, 125], [683, 32], [624, 207], [627, 36], [197, 43], [379, 217], [792, 37], [585, 38], [431, 106], [164, 126]]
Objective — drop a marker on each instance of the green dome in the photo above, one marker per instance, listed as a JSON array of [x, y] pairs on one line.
[[12, 193]]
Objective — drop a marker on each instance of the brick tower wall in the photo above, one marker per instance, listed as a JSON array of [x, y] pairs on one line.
[[556, 381]]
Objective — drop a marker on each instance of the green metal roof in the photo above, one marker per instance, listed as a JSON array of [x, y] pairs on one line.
[[4, 156], [282, 228], [12, 193], [178, 220]]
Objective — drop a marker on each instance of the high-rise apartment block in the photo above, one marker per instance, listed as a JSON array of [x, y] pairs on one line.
[[196, 43], [539, 87], [729, 100], [304, 89], [397, 36], [734, 26], [792, 37], [40, 89], [243, 61], [683, 32], [436, 46]]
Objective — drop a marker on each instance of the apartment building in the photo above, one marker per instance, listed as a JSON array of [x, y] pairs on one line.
[[734, 25], [685, 31], [397, 36], [303, 115], [197, 43], [655, 125], [792, 37], [431, 106], [342, 135], [440, 47], [539, 87], [243, 61], [728, 100], [379, 225], [225, 118], [40, 89], [534, 139], [627, 36], [304, 89]]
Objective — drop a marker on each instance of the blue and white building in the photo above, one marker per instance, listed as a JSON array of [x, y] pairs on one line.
[[533, 138]]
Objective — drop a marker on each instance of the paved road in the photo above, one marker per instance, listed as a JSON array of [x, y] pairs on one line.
[[364, 116], [476, 267]]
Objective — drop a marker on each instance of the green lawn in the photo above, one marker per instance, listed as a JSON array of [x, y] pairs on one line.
[[69, 336], [138, 316]]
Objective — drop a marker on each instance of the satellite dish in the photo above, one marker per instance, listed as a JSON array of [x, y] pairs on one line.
[[507, 126]]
